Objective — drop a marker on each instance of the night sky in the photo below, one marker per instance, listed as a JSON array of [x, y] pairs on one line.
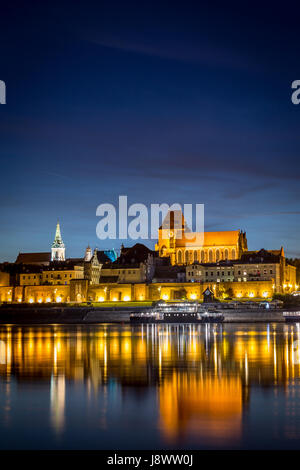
[[162, 102]]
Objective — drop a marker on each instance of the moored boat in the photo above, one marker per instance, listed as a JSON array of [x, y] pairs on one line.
[[291, 316], [177, 312]]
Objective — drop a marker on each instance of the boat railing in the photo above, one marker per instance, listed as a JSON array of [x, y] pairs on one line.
[[291, 314]]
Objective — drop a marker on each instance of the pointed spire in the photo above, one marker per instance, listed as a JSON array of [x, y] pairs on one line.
[[58, 247], [58, 239], [57, 233]]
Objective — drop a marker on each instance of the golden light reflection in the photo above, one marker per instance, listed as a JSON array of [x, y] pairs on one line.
[[203, 375]]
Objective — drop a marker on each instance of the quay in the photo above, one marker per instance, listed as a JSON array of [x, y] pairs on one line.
[[88, 314]]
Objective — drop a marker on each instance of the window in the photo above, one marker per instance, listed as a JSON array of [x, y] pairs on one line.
[[222, 273], [271, 271], [212, 273]]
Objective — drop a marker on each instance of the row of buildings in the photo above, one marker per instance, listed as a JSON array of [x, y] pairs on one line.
[[179, 267]]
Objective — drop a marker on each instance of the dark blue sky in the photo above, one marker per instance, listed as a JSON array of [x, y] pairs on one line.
[[163, 102]]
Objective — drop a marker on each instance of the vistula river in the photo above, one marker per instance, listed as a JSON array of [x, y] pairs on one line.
[[226, 386]]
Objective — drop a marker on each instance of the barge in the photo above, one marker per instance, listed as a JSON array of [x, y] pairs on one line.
[[178, 312]]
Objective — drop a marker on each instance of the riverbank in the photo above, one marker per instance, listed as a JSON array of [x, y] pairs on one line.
[[88, 315]]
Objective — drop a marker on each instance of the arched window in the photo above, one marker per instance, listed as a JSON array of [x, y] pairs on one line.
[[179, 257], [186, 257], [202, 256], [233, 253], [226, 254], [210, 256], [195, 256], [217, 255]]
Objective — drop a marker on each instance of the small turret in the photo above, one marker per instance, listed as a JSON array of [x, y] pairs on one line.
[[88, 254]]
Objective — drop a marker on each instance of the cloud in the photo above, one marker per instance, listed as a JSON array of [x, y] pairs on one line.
[[179, 50]]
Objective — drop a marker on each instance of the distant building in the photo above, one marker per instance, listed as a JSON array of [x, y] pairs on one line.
[[92, 266], [262, 265], [186, 247], [57, 273]]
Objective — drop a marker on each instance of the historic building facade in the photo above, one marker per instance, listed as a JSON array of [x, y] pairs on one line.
[[180, 267], [186, 247]]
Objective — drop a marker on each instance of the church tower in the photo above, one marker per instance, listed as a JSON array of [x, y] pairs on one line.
[[58, 247]]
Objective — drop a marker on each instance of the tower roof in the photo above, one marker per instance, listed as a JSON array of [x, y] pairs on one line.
[[58, 242]]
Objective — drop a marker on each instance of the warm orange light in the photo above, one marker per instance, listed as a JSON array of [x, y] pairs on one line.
[[31, 301], [265, 294], [58, 298], [100, 299], [48, 300]]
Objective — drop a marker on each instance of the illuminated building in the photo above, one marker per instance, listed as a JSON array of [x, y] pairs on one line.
[[186, 247]]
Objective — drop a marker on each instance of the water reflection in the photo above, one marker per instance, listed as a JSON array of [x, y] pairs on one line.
[[200, 378]]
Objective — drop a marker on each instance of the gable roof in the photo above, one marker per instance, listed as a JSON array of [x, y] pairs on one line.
[[138, 253], [102, 257], [262, 256], [33, 258]]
